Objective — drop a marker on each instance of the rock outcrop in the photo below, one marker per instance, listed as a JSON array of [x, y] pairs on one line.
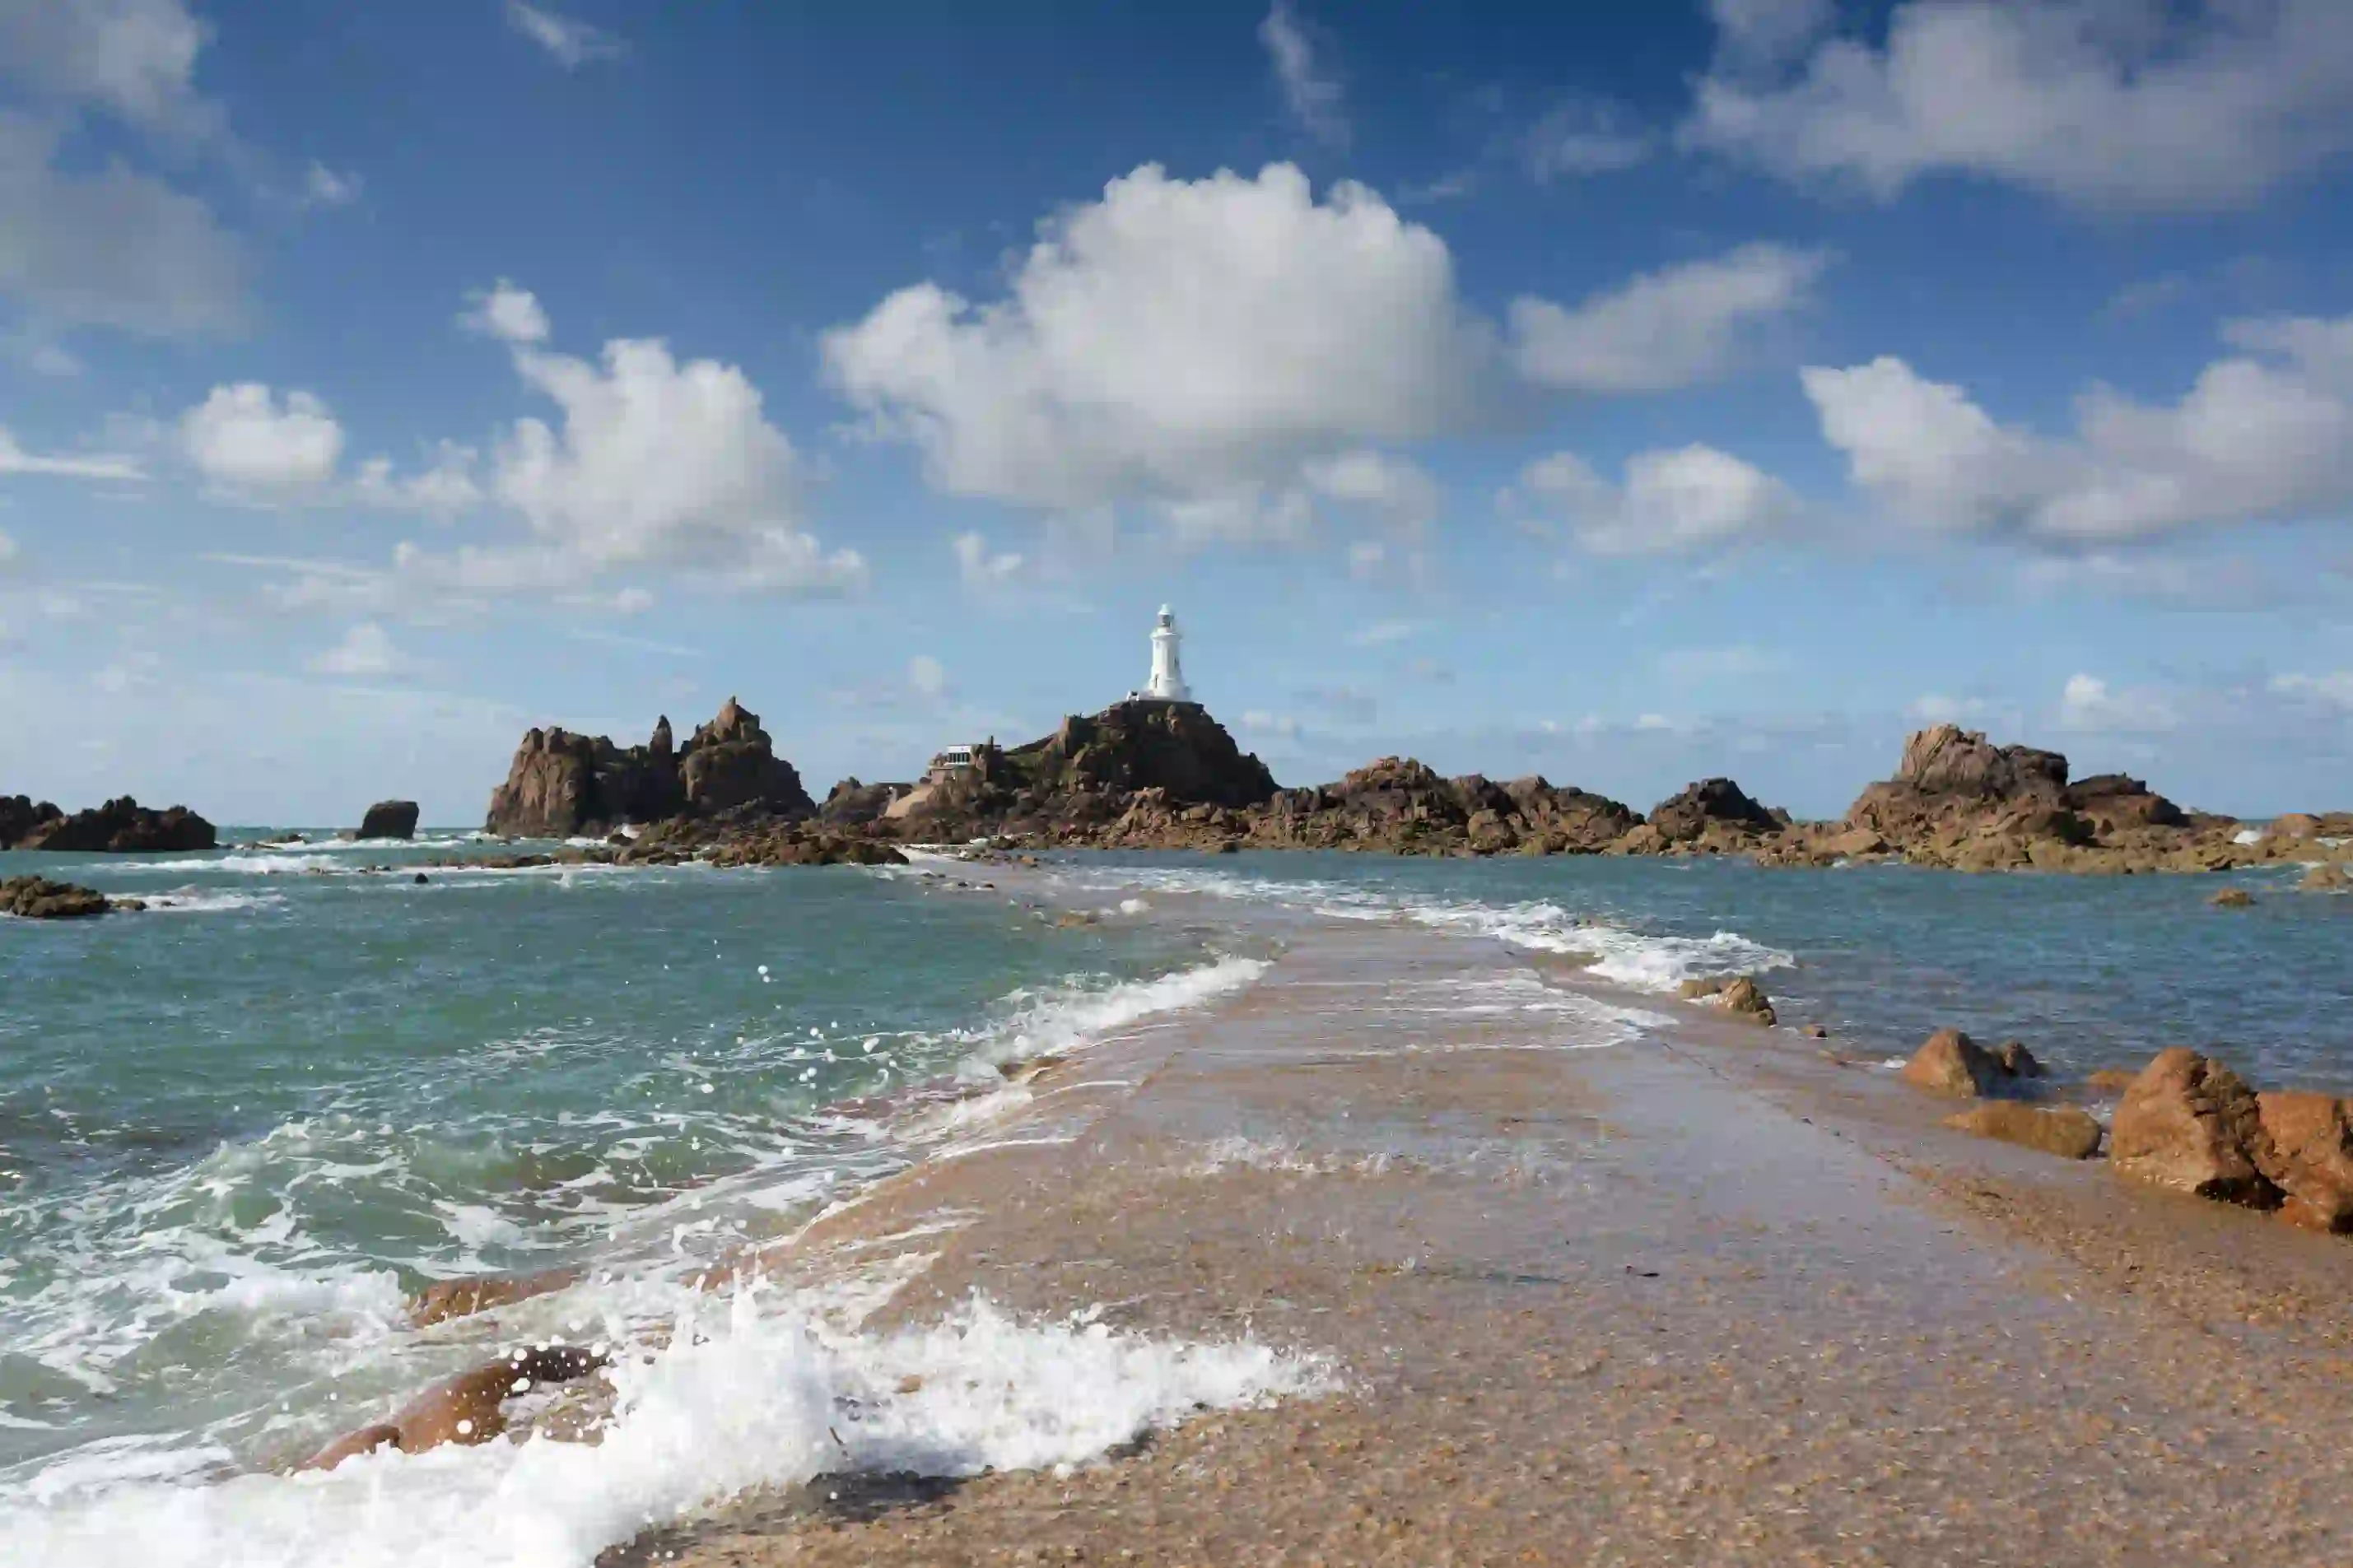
[[1713, 807], [562, 785], [853, 805], [121, 826], [389, 819], [1397, 805], [1960, 801], [2306, 1152], [2188, 1123]]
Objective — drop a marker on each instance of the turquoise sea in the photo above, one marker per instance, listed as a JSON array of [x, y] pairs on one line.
[[237, 1129]]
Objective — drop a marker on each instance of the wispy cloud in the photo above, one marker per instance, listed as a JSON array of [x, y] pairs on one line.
[[1310, 87], [569, 42]]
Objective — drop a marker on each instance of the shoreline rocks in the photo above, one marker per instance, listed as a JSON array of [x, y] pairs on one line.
[[2190, 1123], [2063, 1131], [1949, 1062]]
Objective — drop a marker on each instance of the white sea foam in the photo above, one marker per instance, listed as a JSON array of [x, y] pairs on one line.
[[1056, 1021], [1640, 960], [193, 901], [741, 1397]]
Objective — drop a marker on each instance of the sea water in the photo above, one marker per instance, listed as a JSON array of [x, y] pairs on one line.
[[238, 1131], [2091, 972]]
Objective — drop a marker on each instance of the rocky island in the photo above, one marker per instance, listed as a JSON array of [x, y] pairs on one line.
[[121, 826]]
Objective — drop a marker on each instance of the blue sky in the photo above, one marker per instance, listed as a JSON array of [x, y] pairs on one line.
[[1631, 395]]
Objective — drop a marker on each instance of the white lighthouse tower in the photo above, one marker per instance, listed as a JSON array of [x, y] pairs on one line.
[[1167, 682]]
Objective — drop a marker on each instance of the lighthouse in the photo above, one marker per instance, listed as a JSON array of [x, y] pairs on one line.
[[1167, 682]]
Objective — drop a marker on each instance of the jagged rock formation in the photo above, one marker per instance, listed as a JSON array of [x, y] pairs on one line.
[[121, 826], [389, 819], [1957, 800], [563, 784]]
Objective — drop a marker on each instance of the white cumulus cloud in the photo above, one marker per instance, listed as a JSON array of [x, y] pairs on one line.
[[2265, 434], [2143, 105], [243, 438], [510, 314], [1178, 339], [978, 567], [1673, 328], [1690, 498], [444, 489]]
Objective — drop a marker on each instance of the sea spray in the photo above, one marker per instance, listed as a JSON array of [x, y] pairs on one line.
[[755, 1390]]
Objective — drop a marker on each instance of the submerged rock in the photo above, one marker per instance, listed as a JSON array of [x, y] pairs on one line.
[[2063, 1131], [2233, 898], [2189, 1123], [1737, 995], [2328, 878], [2017, 1060]]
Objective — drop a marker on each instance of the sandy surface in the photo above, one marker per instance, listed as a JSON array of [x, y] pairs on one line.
[[1700, 1297]]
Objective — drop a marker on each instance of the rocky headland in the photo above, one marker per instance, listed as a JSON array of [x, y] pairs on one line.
[[121, 826]]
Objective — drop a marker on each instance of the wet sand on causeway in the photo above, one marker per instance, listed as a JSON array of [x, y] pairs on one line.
[[1701, 1297]]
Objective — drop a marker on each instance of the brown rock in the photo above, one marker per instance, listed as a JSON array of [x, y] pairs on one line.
[[2111, 1080], [2233, 898], [462, 1296], [2188, 1123], [1949, 1062], [1711, 803], [1816, 1032], [121, 826], [2017, 1060], [1746, 1000], [2308, 1155], [39, 899], [2328, 878], [2065, 1131]]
